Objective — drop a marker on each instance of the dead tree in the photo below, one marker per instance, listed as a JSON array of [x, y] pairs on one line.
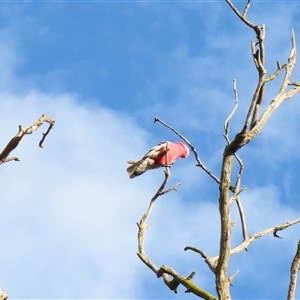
[[13, 144], [230, 192]]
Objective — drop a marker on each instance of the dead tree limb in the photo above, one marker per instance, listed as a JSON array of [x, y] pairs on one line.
[[14, 142], [206, 258]]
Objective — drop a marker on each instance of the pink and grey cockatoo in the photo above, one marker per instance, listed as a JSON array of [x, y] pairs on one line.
[[164, 154]]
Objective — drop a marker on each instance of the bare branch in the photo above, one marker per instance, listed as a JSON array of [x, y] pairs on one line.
[[242, 16], [173, 188], [145, 260], [294, 272], [290, 65], [226, 124], [253, 103], [294, 83], [9, 159], [246, 8], [259, 58], [242, 217], [206, 257], [233, 276], [237, 198], [245, 244], [14, 142], [276, 73]]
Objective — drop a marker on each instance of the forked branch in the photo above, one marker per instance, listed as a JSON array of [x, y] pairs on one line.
[[14, 142], [165, 271], [257, 124]]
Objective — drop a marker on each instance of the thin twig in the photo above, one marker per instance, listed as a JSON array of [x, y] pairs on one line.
[[260, 83], [242, 217], [294, 83], [226, 124], [276, 73], [44, 135], [246, 8], [241, 16], [232, 277], [237, 198]]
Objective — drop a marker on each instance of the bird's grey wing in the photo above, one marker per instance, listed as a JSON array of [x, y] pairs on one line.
[[153, 152]]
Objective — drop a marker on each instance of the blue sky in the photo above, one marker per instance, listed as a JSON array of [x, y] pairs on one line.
[[103, 70]]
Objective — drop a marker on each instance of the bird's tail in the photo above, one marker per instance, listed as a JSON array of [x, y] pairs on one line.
[[131, 169]]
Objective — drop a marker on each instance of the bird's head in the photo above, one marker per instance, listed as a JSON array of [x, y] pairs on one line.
[[185, 150]]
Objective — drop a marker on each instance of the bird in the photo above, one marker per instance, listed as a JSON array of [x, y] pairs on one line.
[[162, 155]]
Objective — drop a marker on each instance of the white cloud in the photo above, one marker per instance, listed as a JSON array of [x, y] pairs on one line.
[[70, 209]]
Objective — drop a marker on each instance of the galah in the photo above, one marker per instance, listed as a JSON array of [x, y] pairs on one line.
[[162, 155]]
